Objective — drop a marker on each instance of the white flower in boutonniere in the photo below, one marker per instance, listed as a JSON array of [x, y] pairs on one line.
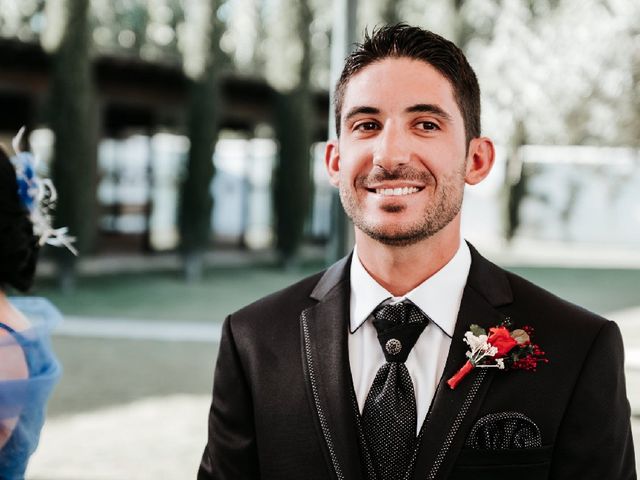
[[501, 349], [475, 342]]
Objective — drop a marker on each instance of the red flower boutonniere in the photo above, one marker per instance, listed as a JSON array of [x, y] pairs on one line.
[[502, 349]]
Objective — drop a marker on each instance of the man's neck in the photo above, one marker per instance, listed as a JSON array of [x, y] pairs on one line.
[[400, 269]]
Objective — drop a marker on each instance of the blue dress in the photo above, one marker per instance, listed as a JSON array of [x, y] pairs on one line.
[[27, 399]]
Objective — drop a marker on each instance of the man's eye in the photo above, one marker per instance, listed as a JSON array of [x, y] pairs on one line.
[[428, 126], [366, 126]]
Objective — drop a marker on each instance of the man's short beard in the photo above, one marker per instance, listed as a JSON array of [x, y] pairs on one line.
[[444, 209]]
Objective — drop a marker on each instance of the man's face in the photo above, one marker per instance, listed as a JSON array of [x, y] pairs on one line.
[[400, 162]]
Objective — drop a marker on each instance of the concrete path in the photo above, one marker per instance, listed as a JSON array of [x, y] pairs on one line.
[[155, 438], [172, 331]]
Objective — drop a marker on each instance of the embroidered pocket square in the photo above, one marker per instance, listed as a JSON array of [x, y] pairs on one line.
[[504, 431]]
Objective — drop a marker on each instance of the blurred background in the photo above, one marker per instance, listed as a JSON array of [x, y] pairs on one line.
[[186, 139]]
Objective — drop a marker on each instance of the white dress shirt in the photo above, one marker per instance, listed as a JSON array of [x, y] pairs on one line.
[[438, 297]]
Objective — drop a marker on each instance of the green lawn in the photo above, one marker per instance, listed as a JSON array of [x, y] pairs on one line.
[[102, 372], [599, 290], [166, 296]]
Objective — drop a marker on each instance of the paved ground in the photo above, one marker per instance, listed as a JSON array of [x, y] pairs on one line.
[[152, 438]]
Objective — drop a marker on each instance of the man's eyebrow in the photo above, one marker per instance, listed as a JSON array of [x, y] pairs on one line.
[[360, 110], [429, 108]]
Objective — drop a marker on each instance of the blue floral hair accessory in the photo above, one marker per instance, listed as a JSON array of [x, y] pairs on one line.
[[38, 196]]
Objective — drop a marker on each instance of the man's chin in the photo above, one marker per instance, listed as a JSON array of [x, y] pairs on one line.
[[395, 237], [399, 242]]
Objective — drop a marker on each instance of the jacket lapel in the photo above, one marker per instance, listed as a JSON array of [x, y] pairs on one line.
[[326, 366], [452, 412]]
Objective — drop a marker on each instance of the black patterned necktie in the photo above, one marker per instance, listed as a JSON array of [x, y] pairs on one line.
[[389, 416]]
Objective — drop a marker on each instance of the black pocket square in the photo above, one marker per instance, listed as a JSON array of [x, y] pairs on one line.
[[504, 431]]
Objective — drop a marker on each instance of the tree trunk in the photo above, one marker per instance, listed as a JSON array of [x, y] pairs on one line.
[[516, 180], [196, 202], [292, 179], [73, 120], [293, 188]]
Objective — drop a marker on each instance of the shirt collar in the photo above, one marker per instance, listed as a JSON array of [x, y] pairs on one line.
[[438, 297]]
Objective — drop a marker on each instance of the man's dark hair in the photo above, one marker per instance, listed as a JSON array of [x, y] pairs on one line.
[[404, 41]]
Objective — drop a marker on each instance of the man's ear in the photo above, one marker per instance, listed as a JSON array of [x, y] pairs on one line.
[[332, 162], [480, 159]]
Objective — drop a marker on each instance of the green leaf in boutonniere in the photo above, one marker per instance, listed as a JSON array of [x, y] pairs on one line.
[[477, 330]]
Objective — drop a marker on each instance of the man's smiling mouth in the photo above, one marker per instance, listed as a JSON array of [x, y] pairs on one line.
[[400, 182], [395, 192]]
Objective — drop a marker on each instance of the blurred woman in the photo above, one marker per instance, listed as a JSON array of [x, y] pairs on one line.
[[28, 367]]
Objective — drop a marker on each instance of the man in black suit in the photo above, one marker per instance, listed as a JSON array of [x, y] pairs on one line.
[[344, 374]]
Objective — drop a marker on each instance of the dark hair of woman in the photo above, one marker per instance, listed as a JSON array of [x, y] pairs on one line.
[[18, 245]]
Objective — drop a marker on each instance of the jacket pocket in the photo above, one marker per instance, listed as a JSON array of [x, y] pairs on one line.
[[520, 463]]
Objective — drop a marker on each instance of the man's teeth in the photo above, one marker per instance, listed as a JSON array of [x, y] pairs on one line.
[[397, 191]]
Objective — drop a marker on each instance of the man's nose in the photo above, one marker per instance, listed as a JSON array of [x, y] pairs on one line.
[[391, 149]]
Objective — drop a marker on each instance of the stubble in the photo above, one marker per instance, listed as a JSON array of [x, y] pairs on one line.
[[444, 206]]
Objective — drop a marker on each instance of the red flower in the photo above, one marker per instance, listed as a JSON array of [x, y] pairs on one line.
[[502, 340], [502, 349]]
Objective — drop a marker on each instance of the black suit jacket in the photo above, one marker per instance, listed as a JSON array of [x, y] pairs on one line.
[[283, 405]]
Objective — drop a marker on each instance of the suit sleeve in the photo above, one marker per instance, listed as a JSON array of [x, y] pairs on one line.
[[594, 441], [231, 452]]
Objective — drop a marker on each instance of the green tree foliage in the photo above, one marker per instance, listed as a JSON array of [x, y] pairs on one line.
[[138, 28], [390, 14]]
